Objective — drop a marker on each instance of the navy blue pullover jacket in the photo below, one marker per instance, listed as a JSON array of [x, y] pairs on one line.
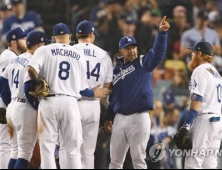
[[133, 83]]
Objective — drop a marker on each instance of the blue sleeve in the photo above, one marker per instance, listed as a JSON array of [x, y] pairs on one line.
[[190, 117], [87, 93], [183, 119], [30, 86], [6, 26], [6, 95], [3, 83], [36, 18], [156, 55], [5, 91]]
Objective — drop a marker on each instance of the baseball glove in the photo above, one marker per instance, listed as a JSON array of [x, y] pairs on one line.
[[3, 116], [183, 140], [41, 89]]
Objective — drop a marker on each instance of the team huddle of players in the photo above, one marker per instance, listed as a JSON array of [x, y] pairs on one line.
[[72, 91]]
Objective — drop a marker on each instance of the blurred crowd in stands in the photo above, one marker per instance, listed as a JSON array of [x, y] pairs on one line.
[[191, 21]]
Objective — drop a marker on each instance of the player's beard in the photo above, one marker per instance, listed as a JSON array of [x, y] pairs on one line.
[[194, 63], [22, 48]]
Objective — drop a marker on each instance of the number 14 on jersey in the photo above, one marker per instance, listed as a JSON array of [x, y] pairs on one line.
[[95, 72]]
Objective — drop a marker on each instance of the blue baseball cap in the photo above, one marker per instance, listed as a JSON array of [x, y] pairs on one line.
[[130, 20], [127, 41], [61, 29], [85, 27], [204, 47], [14, 2], [168, 97], [203, 15], [36, 37], [15, 34]]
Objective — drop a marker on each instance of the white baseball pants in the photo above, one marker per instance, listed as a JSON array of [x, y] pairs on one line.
[[90, 118], [60, 113], [205, 135], [22, 119], [132, 132]]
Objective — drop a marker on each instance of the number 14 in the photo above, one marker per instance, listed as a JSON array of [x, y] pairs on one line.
[[15, 78], [95, 72]]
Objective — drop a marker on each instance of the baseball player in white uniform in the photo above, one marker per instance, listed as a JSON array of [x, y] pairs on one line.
[[16, 44], [21, 116], [63, 67], [204, 119], [99, 72]]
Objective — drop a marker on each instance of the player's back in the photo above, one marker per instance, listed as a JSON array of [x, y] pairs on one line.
[[62, 67], [98, 63], [15, 73], [210, 84], [5, 59]]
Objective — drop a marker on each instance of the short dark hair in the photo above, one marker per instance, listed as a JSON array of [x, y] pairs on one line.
[[9, 44], [29, 47], [82, 36]]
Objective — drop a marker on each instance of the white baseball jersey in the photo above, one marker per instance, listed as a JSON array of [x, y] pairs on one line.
[[207, 82], [63, 68], [15, 73], [5, 59], [98, 63]]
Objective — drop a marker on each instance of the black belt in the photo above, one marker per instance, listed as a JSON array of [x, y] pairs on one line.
[[20, 100], [54, 95], [210, 113], [133, 113]]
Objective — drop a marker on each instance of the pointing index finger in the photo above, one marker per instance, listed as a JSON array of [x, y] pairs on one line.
[[163, 20]]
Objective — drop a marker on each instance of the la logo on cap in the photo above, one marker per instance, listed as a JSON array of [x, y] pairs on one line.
[[42, 39], [13, 36], [93, 29], [129, 39]]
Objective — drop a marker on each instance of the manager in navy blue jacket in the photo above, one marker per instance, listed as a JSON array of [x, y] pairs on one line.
[[131, 98]]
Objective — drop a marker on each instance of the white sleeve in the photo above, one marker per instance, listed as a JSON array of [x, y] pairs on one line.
[[199, 82], [84, 83], [5, 73], [109, 74], [38, 59]]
